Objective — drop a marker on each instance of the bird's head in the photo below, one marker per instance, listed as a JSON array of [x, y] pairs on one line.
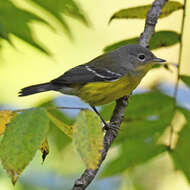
[[140, 58]]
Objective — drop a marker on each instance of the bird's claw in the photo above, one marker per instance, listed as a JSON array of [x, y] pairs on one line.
[[112, 125]]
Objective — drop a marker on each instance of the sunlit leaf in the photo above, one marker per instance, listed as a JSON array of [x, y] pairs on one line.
[[57, 136], [22, 139], [88, 138], [44, 148], [185, 79], [5, 118], [140, 12], [181, 153], [59, 8], [67, 129], [158, 40]]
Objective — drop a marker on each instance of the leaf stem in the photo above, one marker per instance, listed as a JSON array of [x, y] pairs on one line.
[[178, 75]]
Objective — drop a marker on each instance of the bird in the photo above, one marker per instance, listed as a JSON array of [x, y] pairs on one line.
[[104, 79]]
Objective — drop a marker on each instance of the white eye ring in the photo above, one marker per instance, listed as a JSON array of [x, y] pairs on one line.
[[141, 57]]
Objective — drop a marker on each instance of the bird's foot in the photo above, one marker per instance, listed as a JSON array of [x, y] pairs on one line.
[[112, 126]]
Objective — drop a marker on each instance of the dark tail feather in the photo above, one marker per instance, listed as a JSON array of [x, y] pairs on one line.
[[36, 89]]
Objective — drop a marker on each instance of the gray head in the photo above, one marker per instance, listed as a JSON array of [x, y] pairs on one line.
[[139, 57]]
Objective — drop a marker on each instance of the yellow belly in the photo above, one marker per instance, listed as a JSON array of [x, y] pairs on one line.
[[99, 93]]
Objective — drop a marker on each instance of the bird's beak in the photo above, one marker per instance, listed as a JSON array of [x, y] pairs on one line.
[[159, 61]]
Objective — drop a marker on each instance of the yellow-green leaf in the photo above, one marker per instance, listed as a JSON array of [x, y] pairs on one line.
[[22, 139], [57, 137], [44, 148], [88, 138], [5, 118], [67, 129], [140, 12]]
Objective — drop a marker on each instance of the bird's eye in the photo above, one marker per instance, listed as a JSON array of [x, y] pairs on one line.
[[141, 57]]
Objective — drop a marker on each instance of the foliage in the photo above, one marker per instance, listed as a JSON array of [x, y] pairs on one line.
[[20, 26], [141, 11], [142, 129], [22, 139]]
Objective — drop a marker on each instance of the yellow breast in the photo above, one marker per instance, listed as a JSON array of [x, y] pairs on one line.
[[99, 93]]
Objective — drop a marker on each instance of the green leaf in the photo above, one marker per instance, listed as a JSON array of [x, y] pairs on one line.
[[134, 152], [185, 112], [22, 139], [146, 121], [140, 12], [146, 118], [159, 39], [181, 153], [142, 105], [164, 38], [107, 111], [148, 104], [20, 25], [185, 79], [59, 8], [88, 138], [58, 137], [145, 128]]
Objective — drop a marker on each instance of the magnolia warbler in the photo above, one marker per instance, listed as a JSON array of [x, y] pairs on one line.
[[103, 79]]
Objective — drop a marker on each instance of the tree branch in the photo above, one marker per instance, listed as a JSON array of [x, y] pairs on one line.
[[151, 21], [121, 104]]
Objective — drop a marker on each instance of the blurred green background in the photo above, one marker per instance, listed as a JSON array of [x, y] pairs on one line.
[[24, 65]]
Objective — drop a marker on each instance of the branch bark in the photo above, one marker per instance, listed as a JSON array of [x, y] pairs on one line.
[[121, 104], [151, 21]]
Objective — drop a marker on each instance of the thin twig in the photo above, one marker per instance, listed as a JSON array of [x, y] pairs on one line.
[[52, 108], [178, 76], [118, 114]]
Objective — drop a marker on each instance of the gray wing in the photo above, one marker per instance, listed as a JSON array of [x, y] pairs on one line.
[[102, 68]]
